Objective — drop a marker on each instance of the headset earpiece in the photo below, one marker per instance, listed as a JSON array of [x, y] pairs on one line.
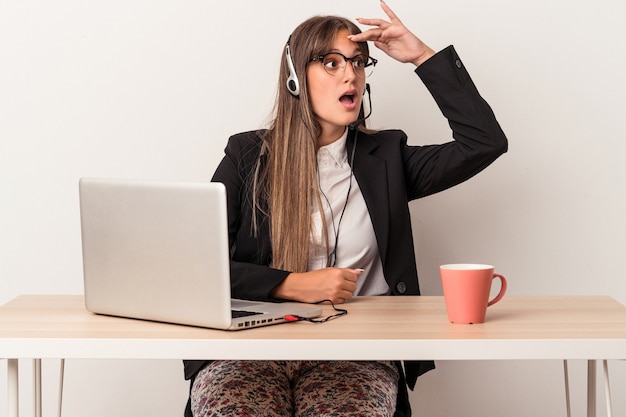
[[292, 82]]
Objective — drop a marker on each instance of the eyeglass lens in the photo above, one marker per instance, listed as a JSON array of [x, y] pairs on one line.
[[335, 64]]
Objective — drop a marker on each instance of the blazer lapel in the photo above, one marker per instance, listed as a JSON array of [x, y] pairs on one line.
[[371, 174]]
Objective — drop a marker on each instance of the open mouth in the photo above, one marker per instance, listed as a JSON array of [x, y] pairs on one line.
[[347, 98]]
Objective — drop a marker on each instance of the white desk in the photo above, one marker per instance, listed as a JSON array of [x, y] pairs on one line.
[[517, 328]]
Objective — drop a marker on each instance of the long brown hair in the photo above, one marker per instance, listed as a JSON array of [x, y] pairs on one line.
[[286, 188]]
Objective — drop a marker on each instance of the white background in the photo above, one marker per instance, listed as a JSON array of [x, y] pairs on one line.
[[152, 89]]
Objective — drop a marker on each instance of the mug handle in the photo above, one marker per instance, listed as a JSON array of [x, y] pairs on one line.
[[502, 289]]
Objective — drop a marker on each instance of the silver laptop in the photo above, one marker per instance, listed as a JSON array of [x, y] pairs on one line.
[[159, 251]]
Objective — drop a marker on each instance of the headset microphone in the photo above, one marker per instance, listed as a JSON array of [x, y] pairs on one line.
[[292, 82], [357, 122]]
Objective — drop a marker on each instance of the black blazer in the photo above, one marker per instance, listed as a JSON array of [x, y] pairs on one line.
[[390, 173]]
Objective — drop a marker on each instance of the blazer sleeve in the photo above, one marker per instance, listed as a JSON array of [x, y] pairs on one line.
[[478, 138], [251, 277]]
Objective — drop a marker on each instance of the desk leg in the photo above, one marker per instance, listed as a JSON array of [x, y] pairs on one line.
[[591, 388], [567, 398], [607, 389], [61, 378], [13, 388], [37, 387]]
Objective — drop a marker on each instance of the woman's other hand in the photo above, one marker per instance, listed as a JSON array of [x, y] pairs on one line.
[[334, 284]]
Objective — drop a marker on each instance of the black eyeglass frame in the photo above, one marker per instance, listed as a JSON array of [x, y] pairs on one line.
[[371, 61]]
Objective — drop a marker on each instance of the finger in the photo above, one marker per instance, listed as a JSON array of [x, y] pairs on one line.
[[340, 297], [373, 22], [382, 46], [351, 275], [339, 300], [349, 285], [392, 16], [346, 295], [368, 35], [349, 281]]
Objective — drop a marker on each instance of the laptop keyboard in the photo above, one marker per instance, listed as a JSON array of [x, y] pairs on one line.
[[243, 313]]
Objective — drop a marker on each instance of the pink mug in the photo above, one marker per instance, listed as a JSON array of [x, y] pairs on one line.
[[466, 290]]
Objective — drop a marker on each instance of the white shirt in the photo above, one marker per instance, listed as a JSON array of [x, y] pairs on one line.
[[357, 247]]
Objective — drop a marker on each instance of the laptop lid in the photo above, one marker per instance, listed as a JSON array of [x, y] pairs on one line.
[[159, 251]]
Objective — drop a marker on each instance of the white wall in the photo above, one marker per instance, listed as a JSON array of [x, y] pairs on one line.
[[152, 89]]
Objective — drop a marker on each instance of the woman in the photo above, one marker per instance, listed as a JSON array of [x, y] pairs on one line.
[[318, 210]]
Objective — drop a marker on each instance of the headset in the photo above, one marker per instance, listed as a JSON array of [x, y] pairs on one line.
[[292, 82]]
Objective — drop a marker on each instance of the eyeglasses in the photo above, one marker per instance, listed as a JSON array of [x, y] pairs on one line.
[[335, 63]]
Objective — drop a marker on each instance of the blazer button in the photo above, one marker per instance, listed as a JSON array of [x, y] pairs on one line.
[[458, 63], [401, 287]]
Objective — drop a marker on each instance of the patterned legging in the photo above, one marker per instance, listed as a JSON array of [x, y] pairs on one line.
[[295, 388]]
